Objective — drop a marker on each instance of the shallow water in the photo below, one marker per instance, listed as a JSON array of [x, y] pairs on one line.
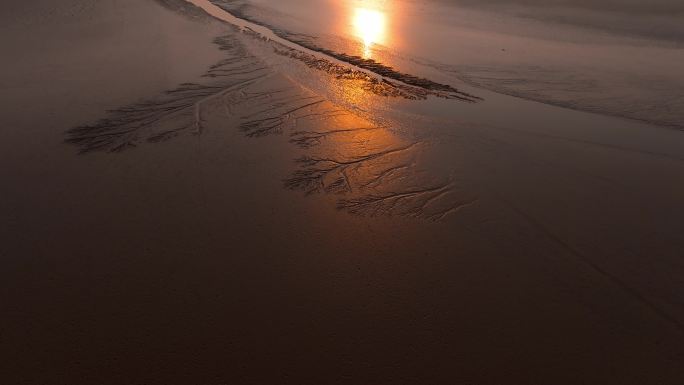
[[620, 63]]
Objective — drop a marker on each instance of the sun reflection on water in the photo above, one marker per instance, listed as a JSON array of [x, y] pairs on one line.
[[369, 26]]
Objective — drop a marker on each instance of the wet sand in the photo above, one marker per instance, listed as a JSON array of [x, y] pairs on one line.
[[249, 214]]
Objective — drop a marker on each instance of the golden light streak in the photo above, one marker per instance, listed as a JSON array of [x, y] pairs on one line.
[[369, 26]]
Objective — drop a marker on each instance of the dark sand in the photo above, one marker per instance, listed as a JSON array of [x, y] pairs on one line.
[[409, 242]]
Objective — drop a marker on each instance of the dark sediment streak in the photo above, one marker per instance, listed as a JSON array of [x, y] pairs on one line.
[[174, 112], [376, 179], [185, 8], [382, 87]]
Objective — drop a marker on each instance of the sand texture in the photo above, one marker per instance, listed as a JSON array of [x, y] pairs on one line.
[[188, 200]]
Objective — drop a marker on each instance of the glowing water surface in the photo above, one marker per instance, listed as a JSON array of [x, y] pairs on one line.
[[370, 27]]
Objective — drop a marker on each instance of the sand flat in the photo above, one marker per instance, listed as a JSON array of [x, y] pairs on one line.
[[247, 214]]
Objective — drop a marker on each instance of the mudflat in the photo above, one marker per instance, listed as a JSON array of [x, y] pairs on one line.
[[193, 196]]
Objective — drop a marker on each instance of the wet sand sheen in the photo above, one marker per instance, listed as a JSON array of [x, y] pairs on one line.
[[579, 57], [264, 220]]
